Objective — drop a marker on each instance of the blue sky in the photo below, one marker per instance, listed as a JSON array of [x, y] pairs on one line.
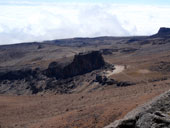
[[38, 20]]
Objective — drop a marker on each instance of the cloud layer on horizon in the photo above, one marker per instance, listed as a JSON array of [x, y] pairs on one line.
[[23, 23]]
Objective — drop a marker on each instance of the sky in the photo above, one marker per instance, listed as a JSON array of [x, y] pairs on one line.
[[38, 20]]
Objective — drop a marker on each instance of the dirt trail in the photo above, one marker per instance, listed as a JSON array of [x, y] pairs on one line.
[[118, 69], [144, 71]]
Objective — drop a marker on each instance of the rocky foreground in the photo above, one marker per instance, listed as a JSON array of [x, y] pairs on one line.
[[154, 114]]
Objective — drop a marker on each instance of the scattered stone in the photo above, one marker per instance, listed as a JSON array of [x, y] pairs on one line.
[[161, 66], [124, 84], [105, 80]]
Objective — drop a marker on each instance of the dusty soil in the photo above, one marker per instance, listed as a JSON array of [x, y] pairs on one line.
[[93, 110], [154, 113]]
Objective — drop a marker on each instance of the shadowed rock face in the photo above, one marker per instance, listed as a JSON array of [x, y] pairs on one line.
[[81, 64], [163, 32], [58, 76], [18, 74]]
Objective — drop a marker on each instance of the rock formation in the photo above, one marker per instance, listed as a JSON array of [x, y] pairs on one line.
[[103, 80], [163, 32], [81, 64], [58, 77], [18, 74], [154, 114]]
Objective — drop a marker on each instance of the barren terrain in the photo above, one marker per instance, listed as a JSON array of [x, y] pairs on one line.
[[141, 61], [84, 110]]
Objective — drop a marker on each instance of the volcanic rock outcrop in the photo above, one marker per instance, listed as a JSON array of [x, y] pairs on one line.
[[103, 80], [154, 114], [81, 64], [163, 32], [59, 76], [18, 74]]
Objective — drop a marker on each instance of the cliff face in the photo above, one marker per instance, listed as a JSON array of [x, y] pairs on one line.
[[81, 64], [163, 32], [58, 76]]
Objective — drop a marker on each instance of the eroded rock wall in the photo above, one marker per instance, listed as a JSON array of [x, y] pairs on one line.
[[81, 64], [59, 77]]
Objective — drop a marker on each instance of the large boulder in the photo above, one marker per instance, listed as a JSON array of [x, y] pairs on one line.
[[81, 64]]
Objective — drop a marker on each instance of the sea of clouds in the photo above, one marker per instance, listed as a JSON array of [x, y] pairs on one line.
[[24, 22]]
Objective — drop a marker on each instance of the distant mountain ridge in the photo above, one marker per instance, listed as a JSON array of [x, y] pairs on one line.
[[163, 32]]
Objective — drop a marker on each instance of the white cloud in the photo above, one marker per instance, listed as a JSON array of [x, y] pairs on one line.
[[22, 23]]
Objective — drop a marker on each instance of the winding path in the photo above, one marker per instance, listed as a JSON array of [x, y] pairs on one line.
[[118, 69]]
